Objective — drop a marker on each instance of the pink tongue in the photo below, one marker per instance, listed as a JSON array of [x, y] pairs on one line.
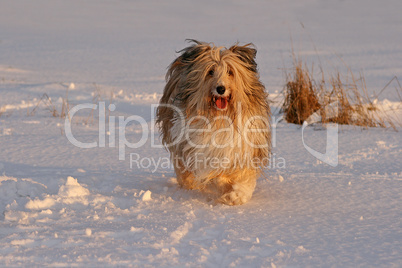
[[221, 103]]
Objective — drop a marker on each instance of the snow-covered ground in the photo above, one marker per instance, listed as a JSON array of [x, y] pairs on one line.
[[61, 205]]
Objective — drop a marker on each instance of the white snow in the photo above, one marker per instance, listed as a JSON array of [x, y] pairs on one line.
[[88, 232], [40, 204], [61, 205], [72, 189], [145, 196]]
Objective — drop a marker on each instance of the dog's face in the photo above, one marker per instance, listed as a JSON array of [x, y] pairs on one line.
[[221, 84], [215, 79]]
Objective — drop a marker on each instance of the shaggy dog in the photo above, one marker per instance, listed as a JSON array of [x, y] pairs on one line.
[[214, 119]]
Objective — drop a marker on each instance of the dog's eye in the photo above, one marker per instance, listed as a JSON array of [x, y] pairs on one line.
[[230, 72], [211, 72]]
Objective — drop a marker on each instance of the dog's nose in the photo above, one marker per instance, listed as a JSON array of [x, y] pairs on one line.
[[221, 90]]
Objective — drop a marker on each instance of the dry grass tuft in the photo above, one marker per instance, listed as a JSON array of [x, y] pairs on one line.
[[301, 95], [47, 101], [339, 102], [51, 107]]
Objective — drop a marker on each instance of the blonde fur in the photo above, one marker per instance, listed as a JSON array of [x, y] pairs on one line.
[[198, 134]]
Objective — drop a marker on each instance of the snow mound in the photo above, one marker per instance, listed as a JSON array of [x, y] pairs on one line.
[[38, 204], [13, 189], [72, 189], [146, 196], [69, 193], [180, 232]]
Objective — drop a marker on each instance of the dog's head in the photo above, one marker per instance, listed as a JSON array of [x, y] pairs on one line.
[[210, 79]]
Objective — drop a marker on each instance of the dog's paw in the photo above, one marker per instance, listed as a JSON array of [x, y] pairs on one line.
[[237, 196]]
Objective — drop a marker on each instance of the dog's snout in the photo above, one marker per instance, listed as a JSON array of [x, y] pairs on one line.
[[221, 90]]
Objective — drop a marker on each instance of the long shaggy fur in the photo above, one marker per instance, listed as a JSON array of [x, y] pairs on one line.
[[218, 141]]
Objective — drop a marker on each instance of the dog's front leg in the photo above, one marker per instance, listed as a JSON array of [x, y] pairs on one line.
[[185, 178], [237, 188]]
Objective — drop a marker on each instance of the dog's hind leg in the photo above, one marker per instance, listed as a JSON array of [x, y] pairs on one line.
[[237, 188]]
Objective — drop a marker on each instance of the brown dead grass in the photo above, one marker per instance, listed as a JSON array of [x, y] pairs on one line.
[[301, 95], [51, 107], [304, 96]]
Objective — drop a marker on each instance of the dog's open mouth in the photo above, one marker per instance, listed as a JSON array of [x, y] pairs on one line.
[[221, 103]]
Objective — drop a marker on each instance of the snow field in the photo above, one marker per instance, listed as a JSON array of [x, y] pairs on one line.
[[61, 205]]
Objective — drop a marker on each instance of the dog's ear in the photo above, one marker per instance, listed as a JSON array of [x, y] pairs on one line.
[[191, 53], [246, 54], [187, 57]]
